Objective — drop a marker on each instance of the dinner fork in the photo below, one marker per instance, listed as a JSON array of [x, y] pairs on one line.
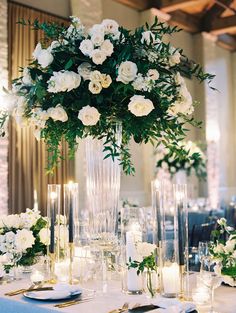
[[124, 308], [72, 302]]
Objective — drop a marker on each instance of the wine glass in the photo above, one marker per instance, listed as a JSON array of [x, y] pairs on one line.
[[210, 278], [14, 257], [203, 250]]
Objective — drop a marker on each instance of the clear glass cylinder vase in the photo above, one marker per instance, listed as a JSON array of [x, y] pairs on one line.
[[103, 187]]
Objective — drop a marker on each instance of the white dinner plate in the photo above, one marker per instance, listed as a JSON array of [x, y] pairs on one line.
[[51, 295]]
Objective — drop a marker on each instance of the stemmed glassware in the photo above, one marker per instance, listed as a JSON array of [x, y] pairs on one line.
[[14, 257], [210, 277], [203, 250]]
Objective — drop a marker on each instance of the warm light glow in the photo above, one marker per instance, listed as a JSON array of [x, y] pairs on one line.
[[212, 131], [53, 195]]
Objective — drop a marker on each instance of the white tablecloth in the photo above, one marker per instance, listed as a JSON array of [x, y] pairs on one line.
[[225, 301]]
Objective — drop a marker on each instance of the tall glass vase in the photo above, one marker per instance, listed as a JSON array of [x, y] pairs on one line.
[[103, 188]]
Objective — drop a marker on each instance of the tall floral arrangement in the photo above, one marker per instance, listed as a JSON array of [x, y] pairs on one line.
[[82, 81], [23, 235], [223, 251], [193, 160]]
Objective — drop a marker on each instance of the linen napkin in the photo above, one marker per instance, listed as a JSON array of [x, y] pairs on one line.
[[59, 291], [172, 305]]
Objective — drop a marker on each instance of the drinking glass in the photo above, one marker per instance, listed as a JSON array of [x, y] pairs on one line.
[[203, 250], [210, 278], [13, 261]]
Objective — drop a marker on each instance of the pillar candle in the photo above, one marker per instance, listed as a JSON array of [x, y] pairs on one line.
[[171, 278]]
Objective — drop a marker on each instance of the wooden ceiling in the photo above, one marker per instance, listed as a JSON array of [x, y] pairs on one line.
[[216, 17]]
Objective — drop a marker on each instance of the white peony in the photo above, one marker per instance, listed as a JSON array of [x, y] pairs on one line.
[[89, 116], [44, 236], [110, 26], [106, 81], [95, 87], [86, 47], [24, 239], [45, 58], [153, 74], [98, 56], [26, 78], [63, 81], [84, 70], [140, 106], [97, 39], [58, 113], [127, 72], [107, 47]]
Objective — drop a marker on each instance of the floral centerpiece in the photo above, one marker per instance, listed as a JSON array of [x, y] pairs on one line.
[[147, 264], [82, 81], [23, 235], [223, 250], [193, 160]]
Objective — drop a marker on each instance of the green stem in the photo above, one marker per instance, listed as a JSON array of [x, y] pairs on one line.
[[149, 283]]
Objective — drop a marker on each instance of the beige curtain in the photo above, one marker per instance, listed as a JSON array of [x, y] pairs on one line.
[[27, 157]]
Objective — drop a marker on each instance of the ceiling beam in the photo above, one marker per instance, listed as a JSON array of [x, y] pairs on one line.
[[215, 11], [139, 5], [227, 42], [221, 25], [173, 5]]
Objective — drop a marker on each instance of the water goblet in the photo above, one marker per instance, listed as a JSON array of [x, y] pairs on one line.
[[210, 278]]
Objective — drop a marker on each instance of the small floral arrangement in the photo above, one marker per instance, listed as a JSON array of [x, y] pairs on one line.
[[223, 251], [192, 160], [24, 235], [83, 81], [147, 263]]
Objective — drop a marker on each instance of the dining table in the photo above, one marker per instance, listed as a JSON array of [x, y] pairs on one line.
[[102, 301]]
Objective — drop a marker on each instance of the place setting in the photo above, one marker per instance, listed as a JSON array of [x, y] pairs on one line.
[[117, 192]]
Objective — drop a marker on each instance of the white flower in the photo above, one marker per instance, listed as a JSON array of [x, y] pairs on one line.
[[145, 249], [222, 221], [127, 72], [97, 39], [26, 79], [86, 47], [37, 51], [148, 37], [9, 102], [84, 69], [164, 165], [97, 29], [63, 81], [139, 83], [29, 218], [45, 58], [95, 87], [153, 74], [106, 81], [96, 76], [140, 106], [11, 221], [183, 105], [179, 79], [172, 169], [110, 26], [107, 47], [175, 57], [44, 236], [219, 248], [58, 113], [24, 239], [230, 246], [98, 56], [89, 116]]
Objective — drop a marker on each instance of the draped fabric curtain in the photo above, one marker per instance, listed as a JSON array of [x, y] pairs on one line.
[[28, 157]]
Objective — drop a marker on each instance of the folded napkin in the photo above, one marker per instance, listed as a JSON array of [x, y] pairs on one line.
[[172, 305], [59, 291]]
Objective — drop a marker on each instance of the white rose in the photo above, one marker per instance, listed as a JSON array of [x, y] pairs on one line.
[[89, 115], [84, 69], [97, 29], [107, 47], [174, 58], [24, 239], [45, 58], [26, 79], [86, 47], [11, 221], [127, 72], [98, 56], [63, 81], [153, 74], [29, 218], [139, 106], [37, 51], [106, 81], [230, 246], [44, 236], [97, 39], [183, 105], [148, 37], [95, 87], [58, 113], [96, 76], [110, 26]]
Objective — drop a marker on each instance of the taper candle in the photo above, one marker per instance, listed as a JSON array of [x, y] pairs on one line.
[[52, 222]]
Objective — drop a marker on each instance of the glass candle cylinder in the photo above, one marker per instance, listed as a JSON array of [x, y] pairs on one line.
[[53, 211]]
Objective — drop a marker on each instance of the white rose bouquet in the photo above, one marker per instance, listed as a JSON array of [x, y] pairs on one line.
[[82, 81], [191, 159], [21, 234], [223, 250]]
